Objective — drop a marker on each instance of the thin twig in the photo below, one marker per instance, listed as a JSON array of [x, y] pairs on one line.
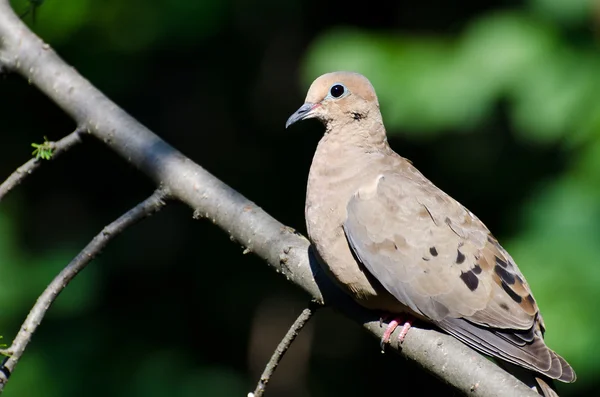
[[283, 346], [146, 208], [27, 169]]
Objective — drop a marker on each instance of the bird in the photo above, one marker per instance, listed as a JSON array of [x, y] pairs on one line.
[[398, 244]]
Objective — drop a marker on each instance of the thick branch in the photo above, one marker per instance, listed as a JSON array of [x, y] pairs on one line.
[[284, 250], [146, 208], [27, 169]]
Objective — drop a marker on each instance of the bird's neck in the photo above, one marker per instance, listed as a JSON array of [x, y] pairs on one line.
[[343, 157], [341, 163], [356, 136]]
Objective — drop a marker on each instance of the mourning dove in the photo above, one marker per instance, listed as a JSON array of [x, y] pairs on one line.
[[398, 244]]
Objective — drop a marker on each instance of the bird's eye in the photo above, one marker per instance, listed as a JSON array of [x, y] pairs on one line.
[[337, 90]]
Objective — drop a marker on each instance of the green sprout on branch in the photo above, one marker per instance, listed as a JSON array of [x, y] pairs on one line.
[[43, 150]]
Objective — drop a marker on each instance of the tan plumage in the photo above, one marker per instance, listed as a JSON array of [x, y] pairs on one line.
[[397, 243]]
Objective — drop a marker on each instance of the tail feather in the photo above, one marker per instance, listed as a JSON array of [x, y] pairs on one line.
[[546, 387], [541, 384], [524, 348]]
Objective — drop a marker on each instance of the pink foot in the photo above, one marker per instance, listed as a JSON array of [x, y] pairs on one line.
[[404, 330], [388, 332], [392, 327]]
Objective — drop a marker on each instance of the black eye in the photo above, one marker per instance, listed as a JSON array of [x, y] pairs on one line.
[[337, 90]]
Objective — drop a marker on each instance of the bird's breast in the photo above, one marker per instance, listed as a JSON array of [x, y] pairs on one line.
[[331, 184]]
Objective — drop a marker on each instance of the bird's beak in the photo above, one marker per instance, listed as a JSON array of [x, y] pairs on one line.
[[304, 112]]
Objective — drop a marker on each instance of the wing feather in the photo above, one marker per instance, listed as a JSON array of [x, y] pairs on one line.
[[440, 260]]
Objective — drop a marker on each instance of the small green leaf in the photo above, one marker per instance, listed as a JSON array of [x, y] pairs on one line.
[[43, 150]]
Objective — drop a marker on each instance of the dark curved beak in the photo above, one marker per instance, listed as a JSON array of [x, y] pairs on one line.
[[302, 113]]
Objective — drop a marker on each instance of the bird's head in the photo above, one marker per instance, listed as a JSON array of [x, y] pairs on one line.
[[341, 96]]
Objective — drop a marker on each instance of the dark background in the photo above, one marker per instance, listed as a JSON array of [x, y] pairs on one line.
[[497, 102]]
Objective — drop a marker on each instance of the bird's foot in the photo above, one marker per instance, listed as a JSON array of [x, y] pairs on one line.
[[391, 327]]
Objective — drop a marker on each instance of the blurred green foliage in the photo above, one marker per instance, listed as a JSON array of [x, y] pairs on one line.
[[433, 84], [499, 106], [57, 21]]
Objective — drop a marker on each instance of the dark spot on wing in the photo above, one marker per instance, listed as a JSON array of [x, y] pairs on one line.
[[519, 279], [426, 259], [433, 251], [460, 257], [501, 262], [504, 306], [505, 276], [513, 295], [470, 280], [476, 269], [530, 299], [395, 246]]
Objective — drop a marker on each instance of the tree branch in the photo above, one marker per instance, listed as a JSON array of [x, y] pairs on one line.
[[283, 249], [283, 347], [27, 169], [146, 208]]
